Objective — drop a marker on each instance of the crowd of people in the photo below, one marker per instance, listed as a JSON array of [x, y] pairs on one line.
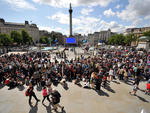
[[37, 69]]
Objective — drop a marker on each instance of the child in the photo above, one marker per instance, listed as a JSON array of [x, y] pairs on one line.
[[45, 95], [135, 88]]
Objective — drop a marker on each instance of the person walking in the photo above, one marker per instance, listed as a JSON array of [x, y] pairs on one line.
[[31, 94], [56, 100], [45, 95]]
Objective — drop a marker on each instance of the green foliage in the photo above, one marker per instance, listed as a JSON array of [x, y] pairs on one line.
[[128, 39], [44, 40], [26, 38], [16, 36], [56, 36], [5, 39], [117, 39], [146, 33]]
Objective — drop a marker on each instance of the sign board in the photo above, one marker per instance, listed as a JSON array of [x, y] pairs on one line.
[[71, 40]]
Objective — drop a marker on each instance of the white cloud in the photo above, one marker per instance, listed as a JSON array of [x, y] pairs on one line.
[[57, 29], [60, 17], [63, 18], [87, 24], [21, 4], [65, 3], [135, 11], [109, 13], [81, 24], [86, 11], [147, 17], [117, 6]]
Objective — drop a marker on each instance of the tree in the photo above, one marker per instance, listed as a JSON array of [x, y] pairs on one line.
[[16, 36], [57, 37], [44, 40], [111, 40], [5, 39], [146, 33], [26, 38], [117, 39], [130, 38]]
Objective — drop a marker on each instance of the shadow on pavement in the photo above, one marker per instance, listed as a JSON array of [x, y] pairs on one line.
[[21, 88], [116, 82], [78, 84], [65, 86], [86, 87], [142, 99], [141, 90], [128, 83], [109, 89], [48, 108], [34, 108], [102, 93]]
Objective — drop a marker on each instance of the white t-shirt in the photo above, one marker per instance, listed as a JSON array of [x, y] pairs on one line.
[[111, 72]]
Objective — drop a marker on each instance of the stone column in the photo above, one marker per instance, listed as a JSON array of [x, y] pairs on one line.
[[70, 16]]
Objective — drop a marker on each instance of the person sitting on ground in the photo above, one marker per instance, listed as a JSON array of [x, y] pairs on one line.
[[86, 84], [135, 88], [148, 87], [63, 83]]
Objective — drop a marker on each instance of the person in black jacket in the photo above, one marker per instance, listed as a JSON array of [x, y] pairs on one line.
[[56, 100], [31, 93]]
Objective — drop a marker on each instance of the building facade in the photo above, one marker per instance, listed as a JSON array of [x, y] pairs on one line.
[[32, 29], [101, 36], [79, 38], [137, 31]]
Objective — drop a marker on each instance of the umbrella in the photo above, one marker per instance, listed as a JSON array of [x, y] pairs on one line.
[[146, 38]]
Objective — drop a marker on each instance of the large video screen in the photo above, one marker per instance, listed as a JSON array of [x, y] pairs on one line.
[[71, 40]]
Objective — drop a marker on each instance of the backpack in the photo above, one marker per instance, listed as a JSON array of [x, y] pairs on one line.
[[57, 94], [27, 93]]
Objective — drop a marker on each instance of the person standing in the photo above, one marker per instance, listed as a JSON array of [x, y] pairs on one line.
[[111, 74], [98, 81], [120, 72]]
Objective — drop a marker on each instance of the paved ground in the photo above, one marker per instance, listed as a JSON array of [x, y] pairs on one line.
[[79, 100]]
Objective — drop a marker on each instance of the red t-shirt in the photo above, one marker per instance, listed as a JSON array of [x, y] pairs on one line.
[[44, 92], [104, 78], [148, 86], [7, 82]]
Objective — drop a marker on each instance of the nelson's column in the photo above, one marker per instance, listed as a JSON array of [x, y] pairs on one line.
[[70, 12]]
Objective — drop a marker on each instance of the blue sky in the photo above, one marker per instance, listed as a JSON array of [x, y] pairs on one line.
[[88, 15]]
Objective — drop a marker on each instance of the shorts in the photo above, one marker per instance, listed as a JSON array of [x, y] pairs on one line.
[[134, 89]]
